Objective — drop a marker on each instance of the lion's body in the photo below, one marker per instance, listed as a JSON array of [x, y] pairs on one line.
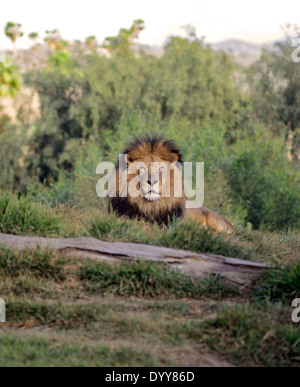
[[209, 219], [151, 205]]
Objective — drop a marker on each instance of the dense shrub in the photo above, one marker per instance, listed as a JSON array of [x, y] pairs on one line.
[[265, 183]]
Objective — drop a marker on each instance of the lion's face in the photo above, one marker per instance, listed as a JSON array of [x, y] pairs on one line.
[[149, 183], [154, 175]]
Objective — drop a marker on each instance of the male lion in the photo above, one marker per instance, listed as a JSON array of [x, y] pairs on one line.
[[158, 153]]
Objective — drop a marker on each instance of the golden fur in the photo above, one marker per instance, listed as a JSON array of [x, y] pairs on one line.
[[150, 204]]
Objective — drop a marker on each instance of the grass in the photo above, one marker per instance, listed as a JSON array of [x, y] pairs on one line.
[[37, 263], [280, 284], [20, 215], [250, 335], [86, 313], [141, 314], [180, 235], [30, 269], [53, 315], [145, 279], [36, 352], [273, 247], [247, 244]]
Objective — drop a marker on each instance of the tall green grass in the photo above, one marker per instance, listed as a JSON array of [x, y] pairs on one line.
[[185, 235], [280, 284], [150, 279], [37, 263], [19, 215]]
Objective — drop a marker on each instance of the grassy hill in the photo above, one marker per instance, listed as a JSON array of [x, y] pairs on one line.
[[67, 312]]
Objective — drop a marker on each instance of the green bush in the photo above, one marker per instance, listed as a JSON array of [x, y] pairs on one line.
[[77, 187], [274, 82], [13, 152], [265, 183]]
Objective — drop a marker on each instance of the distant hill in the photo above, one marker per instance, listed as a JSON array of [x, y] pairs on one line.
[[244, 52], [237, 47]]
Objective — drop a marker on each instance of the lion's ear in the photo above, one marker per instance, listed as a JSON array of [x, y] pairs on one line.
[[128, 159], [174, 158]]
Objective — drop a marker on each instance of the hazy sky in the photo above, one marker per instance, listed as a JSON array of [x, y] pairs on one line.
[[253, 20]]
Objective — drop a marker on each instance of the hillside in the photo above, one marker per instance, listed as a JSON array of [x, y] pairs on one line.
[[67, 309]]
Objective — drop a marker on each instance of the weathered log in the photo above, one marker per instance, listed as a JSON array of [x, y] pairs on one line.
[[195, 265]]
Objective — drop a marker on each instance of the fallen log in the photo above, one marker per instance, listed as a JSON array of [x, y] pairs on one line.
[[196, 265]]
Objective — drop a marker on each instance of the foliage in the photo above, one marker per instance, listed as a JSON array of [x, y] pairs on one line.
[[13, 151], [274, 81], [91, 104], [54, 40], [10, 83], [56, 85], [77, 187], [125, 38], [91, 43], [34, 36], [263, 181], [13, 31]]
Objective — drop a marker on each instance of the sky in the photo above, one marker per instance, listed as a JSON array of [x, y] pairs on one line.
[[257, 21]]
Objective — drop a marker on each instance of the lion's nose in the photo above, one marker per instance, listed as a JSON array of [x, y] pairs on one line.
[[152, 183]]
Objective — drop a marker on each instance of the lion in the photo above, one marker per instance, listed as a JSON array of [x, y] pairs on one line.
[[147, 158]]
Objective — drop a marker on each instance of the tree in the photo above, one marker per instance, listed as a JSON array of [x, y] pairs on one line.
[[275, 86], [54, 40], [13, 32], [91, 43], [34, 37], [10, 83], [59, 88], [125, 38]]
